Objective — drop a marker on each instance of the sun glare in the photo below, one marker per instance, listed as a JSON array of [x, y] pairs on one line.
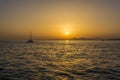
[[67, 33]]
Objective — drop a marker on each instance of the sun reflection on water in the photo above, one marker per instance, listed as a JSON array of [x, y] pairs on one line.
[[66, 41]]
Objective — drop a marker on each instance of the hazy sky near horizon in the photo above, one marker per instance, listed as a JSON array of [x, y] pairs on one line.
[[52, 18]]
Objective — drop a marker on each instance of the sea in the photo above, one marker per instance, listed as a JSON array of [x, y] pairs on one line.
[[60, 60]]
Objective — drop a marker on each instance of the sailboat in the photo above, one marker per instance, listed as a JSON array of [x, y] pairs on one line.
[[30, 40]]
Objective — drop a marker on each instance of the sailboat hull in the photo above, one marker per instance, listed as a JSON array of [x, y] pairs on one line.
[[30, 41]]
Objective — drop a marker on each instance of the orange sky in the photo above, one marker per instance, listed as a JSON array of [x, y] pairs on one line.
[[51, 19]]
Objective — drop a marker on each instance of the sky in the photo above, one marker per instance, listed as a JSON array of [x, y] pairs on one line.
[[52, 19]]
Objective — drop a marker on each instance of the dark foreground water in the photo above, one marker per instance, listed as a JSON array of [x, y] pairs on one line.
[[60, 60]]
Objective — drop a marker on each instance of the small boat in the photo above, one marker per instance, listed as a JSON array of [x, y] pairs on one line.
[[30, 40], [103, 40]]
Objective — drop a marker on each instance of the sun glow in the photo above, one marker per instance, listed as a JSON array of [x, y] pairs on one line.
[[67, 33]]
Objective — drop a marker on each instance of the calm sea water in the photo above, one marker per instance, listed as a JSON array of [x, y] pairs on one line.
[[60, 60]]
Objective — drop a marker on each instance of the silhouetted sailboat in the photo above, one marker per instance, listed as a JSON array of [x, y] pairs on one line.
[[30, 40]]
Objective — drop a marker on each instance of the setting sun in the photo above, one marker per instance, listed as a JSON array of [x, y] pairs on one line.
[[67, 33], [59, 39]]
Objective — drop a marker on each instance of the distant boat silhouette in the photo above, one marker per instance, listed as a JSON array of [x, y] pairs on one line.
[[30, 40], [103, 40]]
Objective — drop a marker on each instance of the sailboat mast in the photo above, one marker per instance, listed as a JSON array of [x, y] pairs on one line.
[[30, 38], [30, 34]]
